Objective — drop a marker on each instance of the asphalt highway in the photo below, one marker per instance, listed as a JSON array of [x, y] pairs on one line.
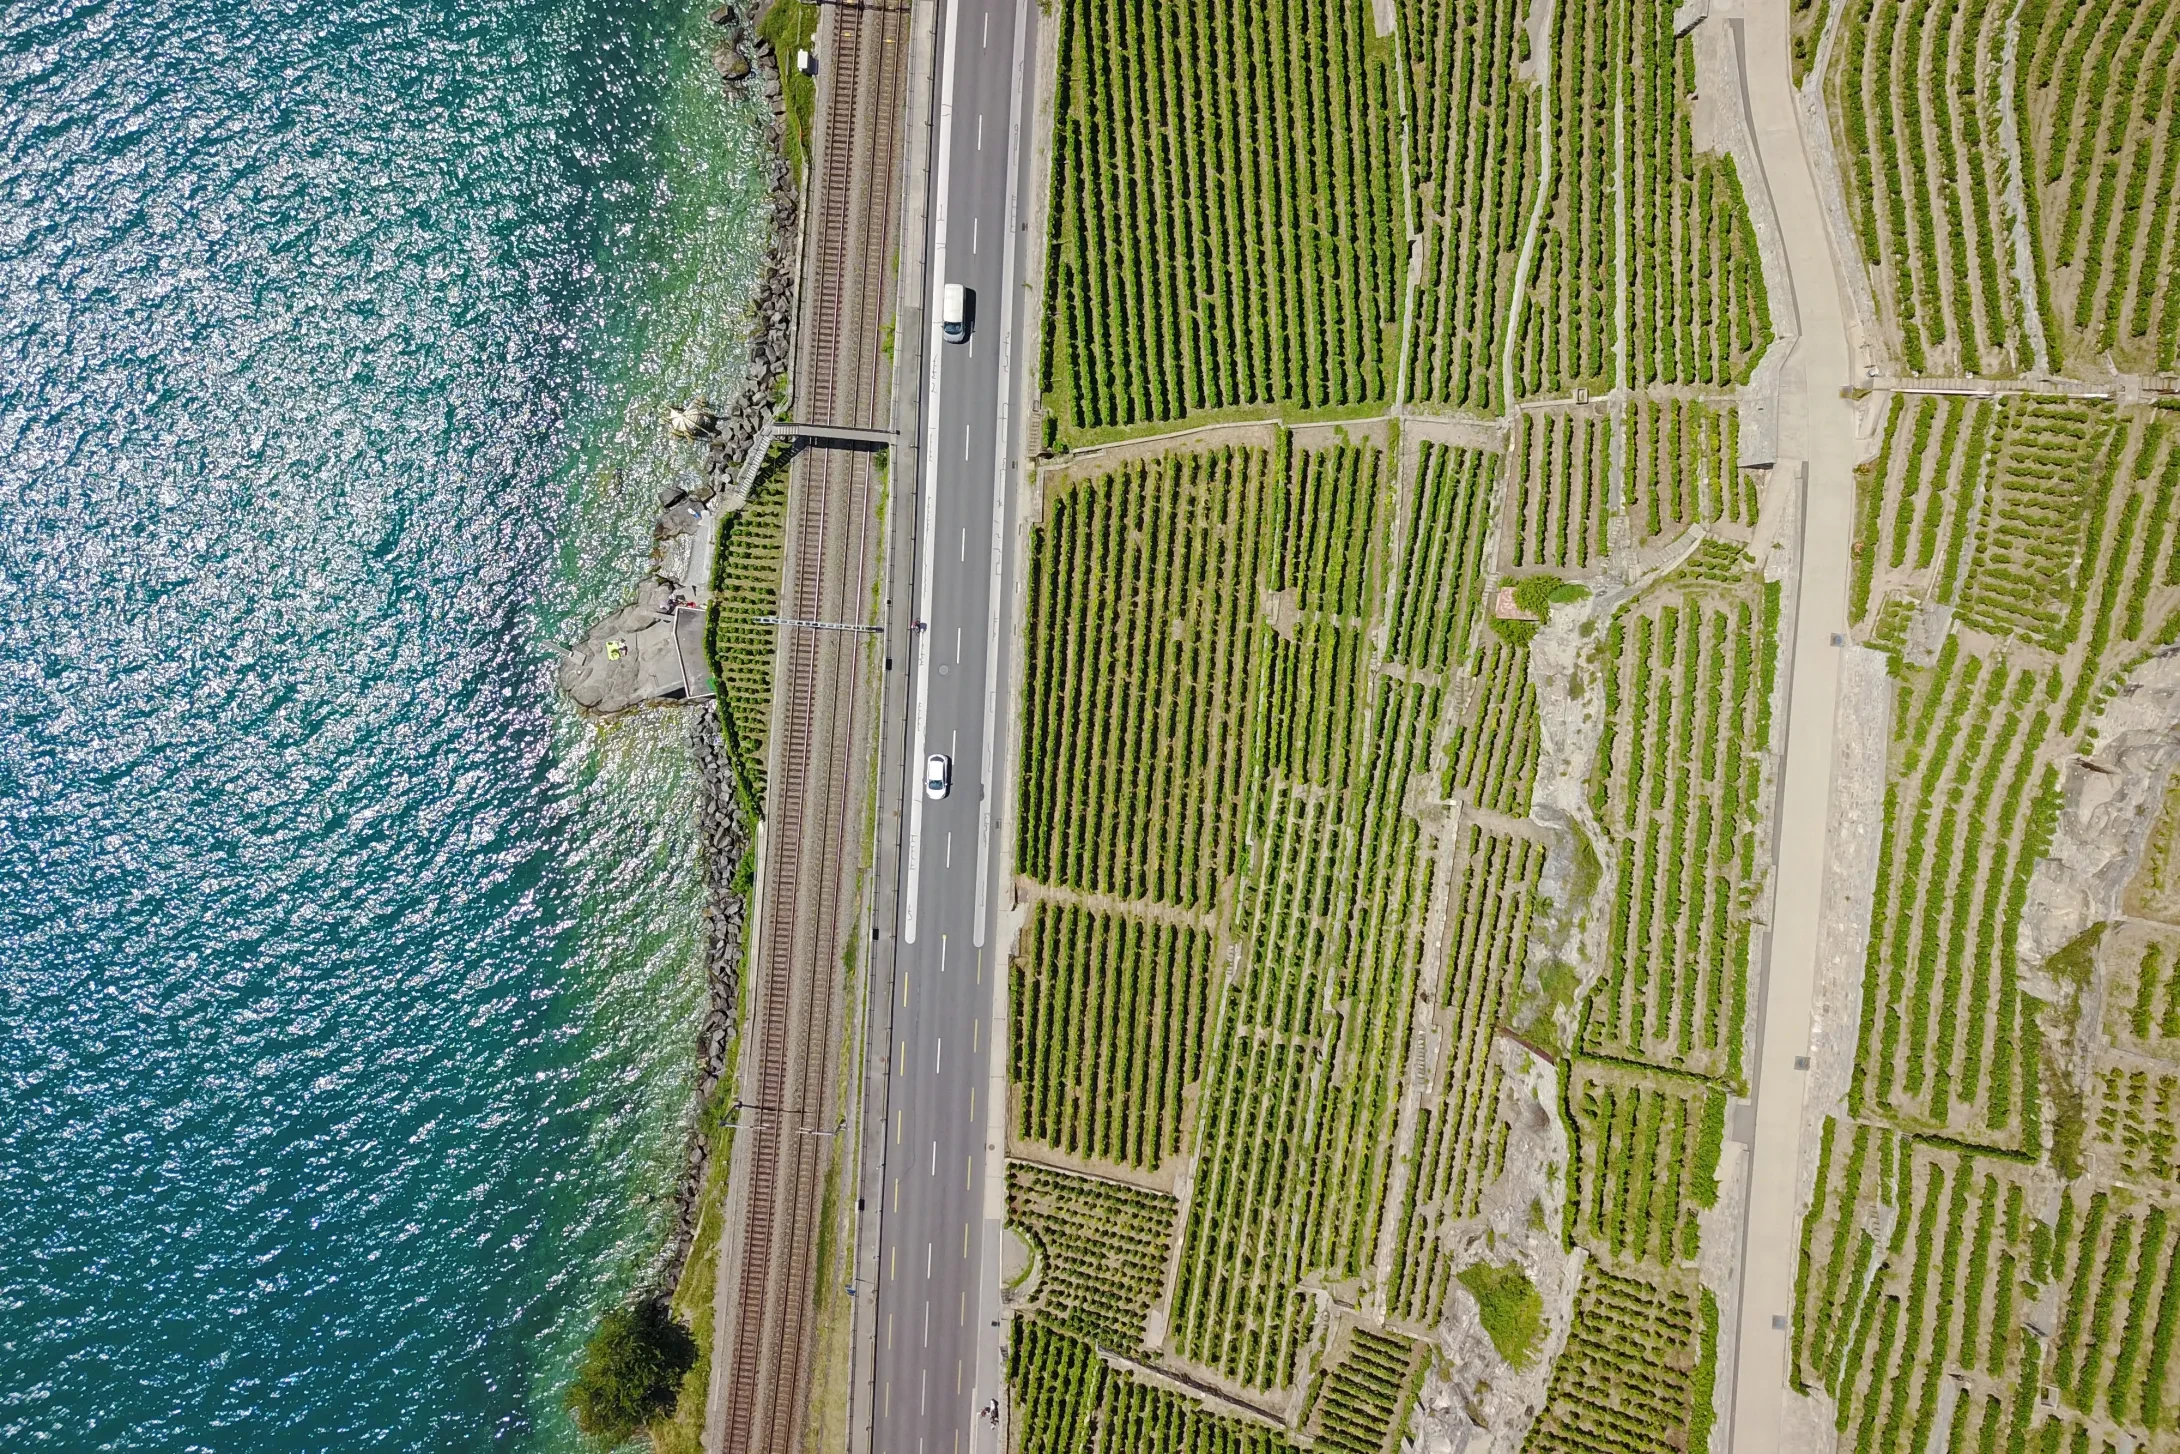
[[936, 1364]]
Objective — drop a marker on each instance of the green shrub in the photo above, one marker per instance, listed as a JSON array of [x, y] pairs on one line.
[[1509, 1307], [1535, 594], [632, 1368]]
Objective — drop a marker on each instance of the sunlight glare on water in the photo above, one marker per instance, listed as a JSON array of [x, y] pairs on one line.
[[347, 982]]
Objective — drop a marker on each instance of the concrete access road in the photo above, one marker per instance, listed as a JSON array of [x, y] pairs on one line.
[[1816, 427], [935, 1364]]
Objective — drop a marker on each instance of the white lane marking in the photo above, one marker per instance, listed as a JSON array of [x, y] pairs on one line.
[[934, 1163], [949, 848], [927, 1259], [957, 641], [972, 1105], [938, 1058], [923, 1399], [964, 441], [987, 41], [896, 1198], [975, 1026], [975, 222], [964, 556], [965, 1247], [980, 133], [1000, 465], [931, 471], [942, 954]]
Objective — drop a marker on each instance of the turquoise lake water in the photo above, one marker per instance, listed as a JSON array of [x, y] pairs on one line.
[[347, 983]]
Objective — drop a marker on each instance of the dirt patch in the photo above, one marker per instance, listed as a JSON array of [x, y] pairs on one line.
[[2114, 796]]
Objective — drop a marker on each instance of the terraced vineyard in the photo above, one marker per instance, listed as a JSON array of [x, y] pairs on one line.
[[1916, 94], [1138, 801], [1290, 1162], [1447, 533], [1470, 169], [2103, 141], [2060, 564], [1346, 871], [1068, 1400], [2021, 551], [1688, 679], [1460, 1139], [1939, 125], [1492, 759], [1697, 311], [1646, 1158], [1563, 480], [1256, 259], [1362, 1393], [1294, 1158], [1288, 764], [1101, 1249], [1629, 1379], [746, 585], [1684, 468], [1566, 326], [1109, 1016]]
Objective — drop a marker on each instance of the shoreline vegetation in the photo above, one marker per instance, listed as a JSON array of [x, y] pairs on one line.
[[646, 1367]]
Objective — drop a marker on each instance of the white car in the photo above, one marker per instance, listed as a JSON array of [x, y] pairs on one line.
[[938, 775], [957, 312]]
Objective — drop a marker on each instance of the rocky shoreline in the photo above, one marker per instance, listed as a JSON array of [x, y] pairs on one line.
[[724, 831], [645, 654], [723, 838]]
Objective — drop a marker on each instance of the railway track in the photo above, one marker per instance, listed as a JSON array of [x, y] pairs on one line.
[[825, 686]]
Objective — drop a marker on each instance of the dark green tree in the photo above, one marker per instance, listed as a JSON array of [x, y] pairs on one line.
[[632, 1370]]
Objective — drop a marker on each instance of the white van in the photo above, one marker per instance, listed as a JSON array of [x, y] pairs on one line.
[[956, 307]]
